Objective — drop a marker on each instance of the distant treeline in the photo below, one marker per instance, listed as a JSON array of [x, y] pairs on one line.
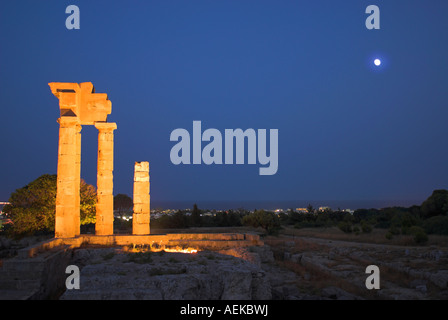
[[32, 211], [431, 217]]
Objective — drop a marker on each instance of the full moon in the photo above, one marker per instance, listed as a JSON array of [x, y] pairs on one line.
[[377, 62]]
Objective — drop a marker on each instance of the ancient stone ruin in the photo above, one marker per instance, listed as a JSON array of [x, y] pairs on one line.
[[141, 216], [39, 270], [80, 105]]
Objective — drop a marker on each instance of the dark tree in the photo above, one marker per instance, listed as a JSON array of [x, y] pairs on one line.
[[195, 216], [310, 208], [435, 205], [33, 207], [266, 220], [123, 203]]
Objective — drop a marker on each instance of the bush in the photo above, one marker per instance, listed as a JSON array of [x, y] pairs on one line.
[[405, 230], [389, 235], [345, 226], [304, 224], [436, 225], [420, 237], [266, 220], [365, 227], [419, 234], [394, 230]]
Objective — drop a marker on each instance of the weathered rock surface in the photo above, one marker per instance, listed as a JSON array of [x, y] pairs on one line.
[[114, 274], [303, 269], [407, 273]]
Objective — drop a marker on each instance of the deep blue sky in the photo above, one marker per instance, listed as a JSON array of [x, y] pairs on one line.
[[347, 130]]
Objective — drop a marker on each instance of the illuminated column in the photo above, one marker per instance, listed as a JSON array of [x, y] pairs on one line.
[[141, 216], [105, 199], [77, 212], [67, 195]]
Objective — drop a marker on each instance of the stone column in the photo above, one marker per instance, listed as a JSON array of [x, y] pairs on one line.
[[67, 194], [141, 216], [77, 213], [105, 198]]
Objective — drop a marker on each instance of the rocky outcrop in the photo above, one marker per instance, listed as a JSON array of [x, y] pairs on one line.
[[113, 274], [407, 273], [34, 278]]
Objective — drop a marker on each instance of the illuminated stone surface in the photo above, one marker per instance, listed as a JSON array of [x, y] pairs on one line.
[[81, 101], [105, 197], [141, 216], [67, 196], [80, 105]]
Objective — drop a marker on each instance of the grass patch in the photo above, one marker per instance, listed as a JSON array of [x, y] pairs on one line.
[[140, 257], [161, 272], [375, 236], [109, 256]]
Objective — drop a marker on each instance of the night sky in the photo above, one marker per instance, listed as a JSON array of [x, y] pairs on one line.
[[348, 130]]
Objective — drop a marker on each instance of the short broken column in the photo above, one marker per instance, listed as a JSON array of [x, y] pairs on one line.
[[141, 216], [105, 199]]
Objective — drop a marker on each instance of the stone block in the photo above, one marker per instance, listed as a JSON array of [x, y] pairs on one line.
[[106, 165], [104, 229], [140, 229], [141, 188], [106, 137], [141, 166], [141, 218], [141, 198], [141, 208], [67, 137], [141, 176], [106, 154]]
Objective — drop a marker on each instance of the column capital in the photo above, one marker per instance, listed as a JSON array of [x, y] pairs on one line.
[[105, 126], [68, 121]]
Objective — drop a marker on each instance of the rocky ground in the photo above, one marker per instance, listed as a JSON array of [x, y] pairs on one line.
[[302, 269], [286, 268], [337, 269], [114, 273]]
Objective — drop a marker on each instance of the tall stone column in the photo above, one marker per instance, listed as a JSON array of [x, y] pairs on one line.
[[105, 198], [77, 212], [67, 195], [141, 216]]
